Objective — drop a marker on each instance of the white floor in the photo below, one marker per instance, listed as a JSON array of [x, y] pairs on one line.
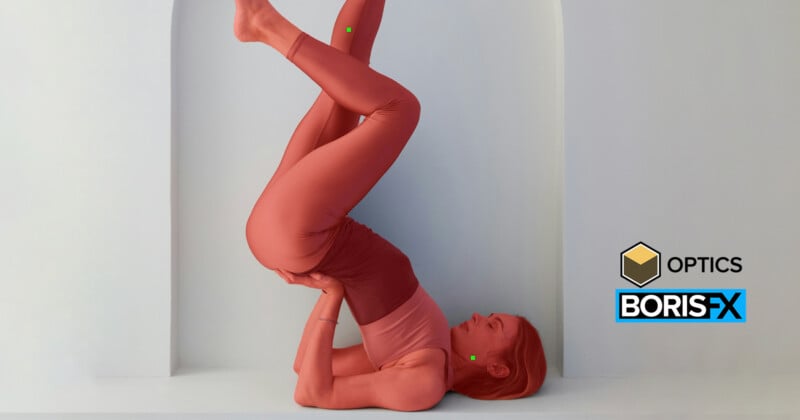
[[228, 394]]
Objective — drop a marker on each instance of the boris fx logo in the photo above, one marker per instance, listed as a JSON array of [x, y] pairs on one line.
[[640, 264]]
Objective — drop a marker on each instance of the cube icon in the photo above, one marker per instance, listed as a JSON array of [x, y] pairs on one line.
[[640, 264]]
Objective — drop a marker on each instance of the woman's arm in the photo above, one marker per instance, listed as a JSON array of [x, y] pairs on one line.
[[418, 385], [312, 319], [346, 361], [352, 360], [315, 380]]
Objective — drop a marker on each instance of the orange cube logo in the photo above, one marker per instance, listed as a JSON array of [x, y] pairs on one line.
[[640, 264]]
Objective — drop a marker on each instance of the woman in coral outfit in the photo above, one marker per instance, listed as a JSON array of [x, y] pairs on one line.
[[300, 228]]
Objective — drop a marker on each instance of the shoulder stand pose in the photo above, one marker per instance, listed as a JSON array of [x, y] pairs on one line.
[[299, 227]]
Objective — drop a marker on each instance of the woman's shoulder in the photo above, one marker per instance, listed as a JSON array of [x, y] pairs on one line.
[[428, 368]]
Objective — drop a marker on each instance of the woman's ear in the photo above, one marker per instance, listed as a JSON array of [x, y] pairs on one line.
[[498, 370]]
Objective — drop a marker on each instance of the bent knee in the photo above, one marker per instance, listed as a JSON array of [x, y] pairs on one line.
[[404, 109], [410, 105], [270, 238], [282, 237]]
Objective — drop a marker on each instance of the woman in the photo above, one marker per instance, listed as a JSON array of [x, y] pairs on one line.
[[300, 228]]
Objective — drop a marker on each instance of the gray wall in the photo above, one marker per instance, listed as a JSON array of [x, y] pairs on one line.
[[84, 180], [681, 130], [474, 199]]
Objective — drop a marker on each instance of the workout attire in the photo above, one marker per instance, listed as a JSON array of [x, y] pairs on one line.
[[300, 222], [416, 324], [395, 313]]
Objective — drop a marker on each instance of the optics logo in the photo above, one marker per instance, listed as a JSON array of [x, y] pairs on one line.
[[640, 264]]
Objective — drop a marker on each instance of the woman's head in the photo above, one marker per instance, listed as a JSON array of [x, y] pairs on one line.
[[498, 357]]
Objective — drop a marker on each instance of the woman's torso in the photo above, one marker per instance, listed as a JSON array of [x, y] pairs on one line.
[[407, 336], [400, 323], [377, 276]]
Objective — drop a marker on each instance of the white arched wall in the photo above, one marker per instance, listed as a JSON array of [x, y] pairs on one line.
[[474, 199], [85, 168], [98, 231]]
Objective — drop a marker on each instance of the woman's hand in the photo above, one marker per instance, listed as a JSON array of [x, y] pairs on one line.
[[315, 280]]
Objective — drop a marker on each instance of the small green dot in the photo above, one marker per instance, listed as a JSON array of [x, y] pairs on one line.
[[349, 29], [472, 357]]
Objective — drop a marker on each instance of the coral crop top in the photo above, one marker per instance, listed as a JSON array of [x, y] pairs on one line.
[[416, 324]]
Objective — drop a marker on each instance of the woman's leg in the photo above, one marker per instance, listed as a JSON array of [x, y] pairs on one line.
[[295, 220], [326, 120]]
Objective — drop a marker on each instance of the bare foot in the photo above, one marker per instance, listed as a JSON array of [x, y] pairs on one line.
[[252, 20], [257, 20]]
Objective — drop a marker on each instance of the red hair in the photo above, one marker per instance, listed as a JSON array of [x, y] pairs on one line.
[[527, 369]]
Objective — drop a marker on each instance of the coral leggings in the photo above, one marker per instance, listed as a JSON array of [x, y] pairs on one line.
[[300, 222]]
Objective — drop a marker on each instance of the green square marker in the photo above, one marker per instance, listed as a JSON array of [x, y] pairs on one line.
[[349, 29], [472, 357]]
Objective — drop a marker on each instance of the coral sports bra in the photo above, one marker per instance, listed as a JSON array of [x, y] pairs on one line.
[[416, 324]]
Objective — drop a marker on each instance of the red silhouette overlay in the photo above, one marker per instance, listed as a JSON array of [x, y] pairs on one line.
[[299, 227]]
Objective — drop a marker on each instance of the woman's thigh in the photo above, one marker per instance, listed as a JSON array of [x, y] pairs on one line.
[[295, 219], [276, 242]]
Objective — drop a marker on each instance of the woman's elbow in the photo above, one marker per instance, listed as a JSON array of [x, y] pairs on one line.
[[302, 398], [429, 400], [309, 396], [421, 399]]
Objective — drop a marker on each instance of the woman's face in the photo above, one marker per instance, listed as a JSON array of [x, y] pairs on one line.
[[475, 338]]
